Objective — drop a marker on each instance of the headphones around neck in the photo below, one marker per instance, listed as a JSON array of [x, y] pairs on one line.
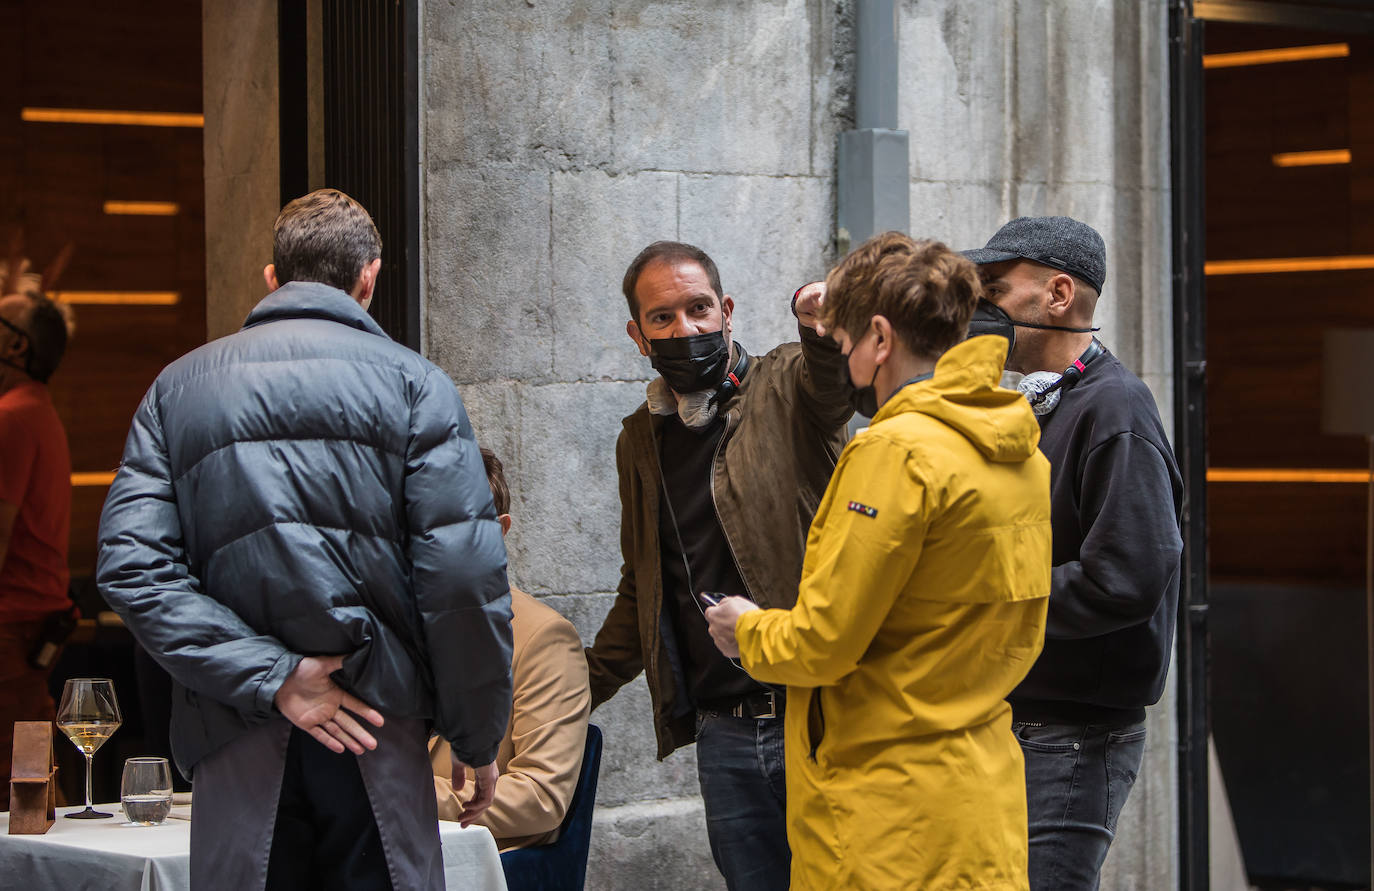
[[1043, 390], [733, 378]]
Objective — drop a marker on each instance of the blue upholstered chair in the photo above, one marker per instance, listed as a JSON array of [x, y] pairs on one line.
[[562, 865]]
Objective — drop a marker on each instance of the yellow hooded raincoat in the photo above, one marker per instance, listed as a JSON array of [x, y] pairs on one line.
[[922, 604]]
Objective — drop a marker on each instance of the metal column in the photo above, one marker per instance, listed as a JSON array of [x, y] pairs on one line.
[[874, 188]]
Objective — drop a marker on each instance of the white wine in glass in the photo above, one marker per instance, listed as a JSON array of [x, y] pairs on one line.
[[89, 714]]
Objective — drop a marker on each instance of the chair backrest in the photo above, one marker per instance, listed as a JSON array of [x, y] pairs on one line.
[[562, 864], [577, 823]]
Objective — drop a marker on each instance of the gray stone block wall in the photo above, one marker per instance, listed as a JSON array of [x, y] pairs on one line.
[[559, 139]]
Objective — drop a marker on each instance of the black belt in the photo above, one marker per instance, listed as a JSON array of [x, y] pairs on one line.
[[768, 704]]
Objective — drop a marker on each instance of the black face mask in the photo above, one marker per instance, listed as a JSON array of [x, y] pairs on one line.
[[863, 400], [689, 364], [989, 318]]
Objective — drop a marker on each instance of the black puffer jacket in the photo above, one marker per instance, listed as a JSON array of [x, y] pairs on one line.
[[306, 486]]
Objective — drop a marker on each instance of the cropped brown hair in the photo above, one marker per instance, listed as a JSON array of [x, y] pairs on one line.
[[668, 252], [496, 478], [926, 291], [325, 237]]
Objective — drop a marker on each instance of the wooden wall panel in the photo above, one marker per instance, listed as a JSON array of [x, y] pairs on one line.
[[89, 54], [1264, 332], [55, 178]]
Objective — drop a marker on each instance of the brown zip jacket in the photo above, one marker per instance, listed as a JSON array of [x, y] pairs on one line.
[[784, 430]]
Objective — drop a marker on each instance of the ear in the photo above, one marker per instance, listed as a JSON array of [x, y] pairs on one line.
[[505, 523], [884, 342], [632, 329], [269, 275], [727, 312], [1061, 291], [367, 281]]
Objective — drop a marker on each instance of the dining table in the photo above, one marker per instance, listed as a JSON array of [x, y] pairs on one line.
[[115, 855]]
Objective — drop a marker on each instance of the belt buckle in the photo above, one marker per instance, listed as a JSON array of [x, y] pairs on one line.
[[772, 706]]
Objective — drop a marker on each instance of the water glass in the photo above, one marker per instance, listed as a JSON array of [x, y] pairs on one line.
[[146, 791]]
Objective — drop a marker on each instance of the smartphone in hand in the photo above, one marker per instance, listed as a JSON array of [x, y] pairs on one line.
[[710, 598]]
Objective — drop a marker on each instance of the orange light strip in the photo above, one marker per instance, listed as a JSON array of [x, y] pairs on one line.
[[118, 298], [1284, 475], [92, 478], [1273, 56], [1288, 264], [1312, 159], [107, 116], [143, 208]]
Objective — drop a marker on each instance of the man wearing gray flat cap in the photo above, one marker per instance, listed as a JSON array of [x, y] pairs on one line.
[[1116, 498]]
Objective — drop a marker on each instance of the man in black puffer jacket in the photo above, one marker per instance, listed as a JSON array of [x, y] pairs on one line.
[[301, 530]]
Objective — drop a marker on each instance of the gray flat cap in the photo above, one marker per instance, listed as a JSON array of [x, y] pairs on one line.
[[1059, 242]]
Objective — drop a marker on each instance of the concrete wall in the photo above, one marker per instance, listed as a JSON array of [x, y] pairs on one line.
[[558, 139], [242, 167]]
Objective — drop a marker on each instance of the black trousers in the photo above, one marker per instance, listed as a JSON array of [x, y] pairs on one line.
[[325, 834]]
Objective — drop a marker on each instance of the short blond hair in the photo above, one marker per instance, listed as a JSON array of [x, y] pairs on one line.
[[926, 291]]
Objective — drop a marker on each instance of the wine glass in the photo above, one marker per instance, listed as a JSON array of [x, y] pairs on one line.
[[146, 790], [89, 714]]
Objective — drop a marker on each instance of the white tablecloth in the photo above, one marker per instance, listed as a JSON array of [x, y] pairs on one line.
[[119, 856]]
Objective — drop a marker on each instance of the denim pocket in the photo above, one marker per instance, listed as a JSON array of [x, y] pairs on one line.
[[1049, 738], [1124, 751], [1126, 736]]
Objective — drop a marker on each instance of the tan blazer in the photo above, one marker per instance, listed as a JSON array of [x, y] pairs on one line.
[[541, 753]]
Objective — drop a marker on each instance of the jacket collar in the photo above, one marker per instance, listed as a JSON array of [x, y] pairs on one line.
[[312, 300]]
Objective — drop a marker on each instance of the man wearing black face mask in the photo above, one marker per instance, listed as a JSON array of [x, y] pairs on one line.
[[721, 471], [35, 507], [1116, 497]]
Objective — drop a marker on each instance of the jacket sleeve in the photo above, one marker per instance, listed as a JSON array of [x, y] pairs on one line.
[[1131, 546], [856, 565], [616, 655], [548, 734], [820, 388], [459, 569], [144, 575]]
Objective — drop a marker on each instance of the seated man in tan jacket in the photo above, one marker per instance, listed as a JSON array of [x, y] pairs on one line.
[[541, 753]]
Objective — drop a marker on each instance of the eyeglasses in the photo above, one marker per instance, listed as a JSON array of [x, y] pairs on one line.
[[15, 328], [27, 339]]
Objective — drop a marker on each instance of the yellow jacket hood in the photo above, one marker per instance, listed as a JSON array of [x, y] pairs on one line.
[[964, 393]]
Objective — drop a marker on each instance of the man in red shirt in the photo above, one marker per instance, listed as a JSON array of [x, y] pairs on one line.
[[35, 506]]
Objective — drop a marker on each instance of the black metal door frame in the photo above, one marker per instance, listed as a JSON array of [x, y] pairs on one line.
[[371, 88], [1188, 162]]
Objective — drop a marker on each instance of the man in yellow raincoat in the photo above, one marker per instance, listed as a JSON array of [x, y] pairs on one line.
[[922, 600]]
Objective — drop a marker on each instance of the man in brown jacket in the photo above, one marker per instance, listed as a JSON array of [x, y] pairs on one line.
[[541, 754], [721, 471]]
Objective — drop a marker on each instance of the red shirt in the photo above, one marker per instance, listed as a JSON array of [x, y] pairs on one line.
[[35, 474]]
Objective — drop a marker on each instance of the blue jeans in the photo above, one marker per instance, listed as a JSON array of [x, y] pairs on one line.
[[1077, 779], [740, 767]]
